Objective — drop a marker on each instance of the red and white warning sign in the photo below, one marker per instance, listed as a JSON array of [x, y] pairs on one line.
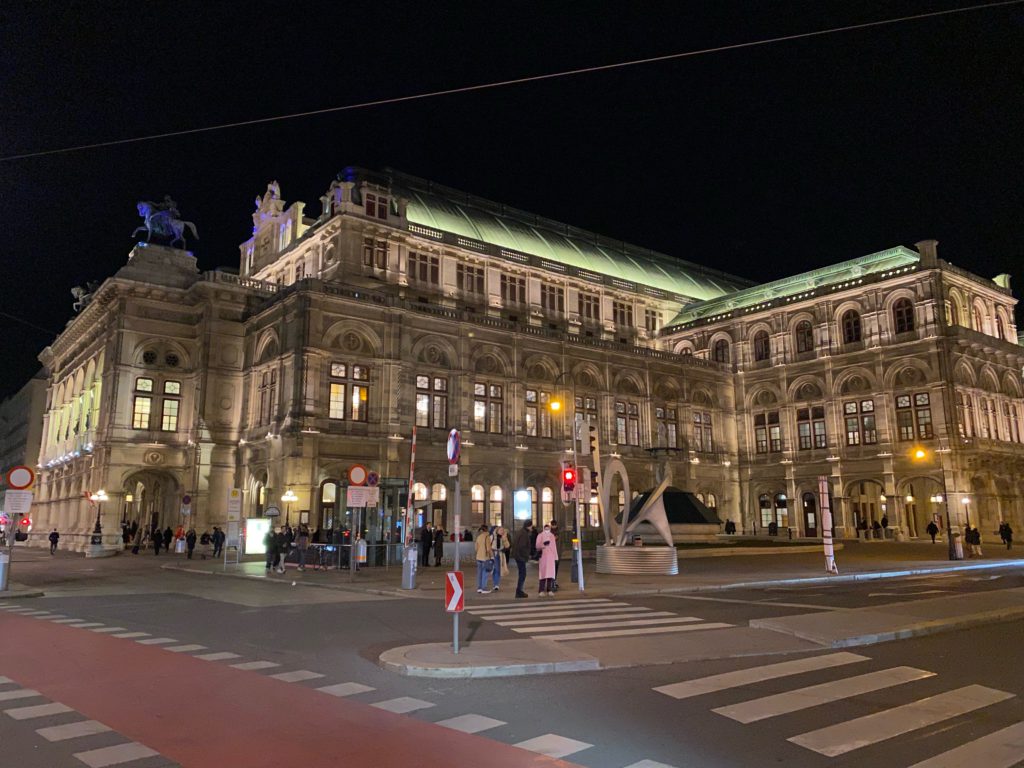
[[20, 478], [454, 596]]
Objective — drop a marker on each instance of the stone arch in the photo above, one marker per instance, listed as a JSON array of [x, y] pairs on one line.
[[684, 348], [703, 397], [958, 308], [353, 339], [764, 396], [267, 348], [489, 359], [806, 388], [665, 388], [540, 367], [588, 376], [964, 374], [1010, 386], [855, 381], [988, 380], [435, 350], [156, 496], [1002, 324], [628, 383], [979, 317], [908, 372]]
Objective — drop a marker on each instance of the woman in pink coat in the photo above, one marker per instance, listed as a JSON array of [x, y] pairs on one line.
[[546, 545]]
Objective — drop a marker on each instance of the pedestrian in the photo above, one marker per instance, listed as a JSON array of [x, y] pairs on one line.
[[270, 545], [168, 538], [218, 541], [438, 545], [484, 559], [158, 540], [876, 529], [933, 530], [302, 543], [190, 541], [499, 545], [139, 540], [281, 550], [976, 542], [730, 527], [549, 556], [126, 535], [520, 550], [1009, 536], [885, 526], [426, 539], [54, 538], [467, 535], [553, 525]]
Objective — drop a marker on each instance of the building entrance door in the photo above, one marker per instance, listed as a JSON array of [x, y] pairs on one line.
[[810, 507]]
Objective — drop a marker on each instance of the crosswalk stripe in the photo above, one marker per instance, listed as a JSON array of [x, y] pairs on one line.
[[188, 648], [515, 606], [550, 608], [607, 624], [156, 641], [39, 710], [72, 730], [815, 695], [540, 614], [553, 745], [346, 689], [470, 723], [219, 656], [254, 665], [1001, 749], [740, 677], [634, 631], [5, 680], [21, 693], [122, 753], [853, 734], [569, 619], [104, 630], [132, 635], [297, 676], [402, 705], [87, 624]]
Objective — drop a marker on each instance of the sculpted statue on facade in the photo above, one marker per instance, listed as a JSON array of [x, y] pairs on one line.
[[164, 220]]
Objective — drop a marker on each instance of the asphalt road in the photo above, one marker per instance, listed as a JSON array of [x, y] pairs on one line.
[[158, 696]]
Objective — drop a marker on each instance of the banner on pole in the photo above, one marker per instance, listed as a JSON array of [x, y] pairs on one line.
[[826, 525]]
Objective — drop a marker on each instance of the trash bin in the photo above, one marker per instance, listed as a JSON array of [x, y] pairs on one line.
[[5, 562], [409, 563]]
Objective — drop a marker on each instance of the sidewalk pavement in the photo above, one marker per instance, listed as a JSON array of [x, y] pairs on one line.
[[15, 590]]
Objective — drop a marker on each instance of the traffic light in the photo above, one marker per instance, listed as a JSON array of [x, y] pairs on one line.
[[569, 479]]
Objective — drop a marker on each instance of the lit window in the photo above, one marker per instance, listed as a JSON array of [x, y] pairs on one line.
[[172, 387], [487, 408], [538, 413], [144, 385], [169, 415], [431, 402], [141, 409]]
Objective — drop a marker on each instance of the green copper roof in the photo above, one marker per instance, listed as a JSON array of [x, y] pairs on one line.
[[846, 271], [464, 215]]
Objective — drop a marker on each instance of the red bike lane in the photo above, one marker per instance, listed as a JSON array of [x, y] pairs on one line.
[[204, 714]]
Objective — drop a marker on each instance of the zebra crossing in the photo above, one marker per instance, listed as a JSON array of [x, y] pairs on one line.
[[588, 619], [1001, 749]]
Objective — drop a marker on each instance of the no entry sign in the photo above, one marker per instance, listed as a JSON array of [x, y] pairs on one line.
[[454, 596]]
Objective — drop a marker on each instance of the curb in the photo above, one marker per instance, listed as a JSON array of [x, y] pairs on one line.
[[264, 580], [8, 595], [393, 660]]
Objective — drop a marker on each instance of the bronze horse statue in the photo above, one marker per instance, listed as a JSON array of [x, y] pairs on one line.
[[163, 222]]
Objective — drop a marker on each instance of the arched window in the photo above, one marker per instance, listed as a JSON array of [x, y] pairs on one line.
[[953, 313], [711, 502], [1000, 331], [720, 352], [903, 316], [804, 336], [494, 511], [438, 492], [762, 346], [851, 326], [476, 501], [687, 352], [547, 504], [700, 498], [419, 492], [764, 503], [781, 510], [976, 320]]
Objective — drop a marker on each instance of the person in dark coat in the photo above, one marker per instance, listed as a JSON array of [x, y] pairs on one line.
[[168, 538], [522, 547], [933, 530], [1008, 535], [467, 535], [218, 541], [426, 540], [158, 540], [438, 545], [55, 537], [270, 544], [190, 542]]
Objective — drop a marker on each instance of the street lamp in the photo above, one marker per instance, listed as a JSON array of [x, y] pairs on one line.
[[966, 500], [97, 532], [128, 499], [920, 454], [577, 553], [288, 498]]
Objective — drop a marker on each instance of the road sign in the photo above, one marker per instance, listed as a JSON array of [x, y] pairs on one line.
[[454, 446], [357, 475], [359, 497], [454, 596], [272, 512], [20, 478], [186, 500], [17, 503], [186, 509], [235, 505], [453, 470], [373, 479]]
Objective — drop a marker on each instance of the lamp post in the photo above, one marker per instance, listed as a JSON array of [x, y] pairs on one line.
[[97, 532], [128, 499], [288, 498], [577, 552], [920, 454]]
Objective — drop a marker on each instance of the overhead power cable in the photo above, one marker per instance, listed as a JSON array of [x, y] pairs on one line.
[[517, 80]]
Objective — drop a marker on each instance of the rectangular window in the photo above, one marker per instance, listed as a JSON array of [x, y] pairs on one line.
[[914, 417], [702, 436], [622, 313], [552, 299], [336, 409], [172, 387], [652, 320], [469, 279], [923, 415], [376, 206], [810, 425], [668, 427], [620, 423], [141, 409], [768, 433], [513, 290], [144, 385], [589, 308], [169, 415], [431, 401], [859, 418], [488, 413], [537, 414], [360, 402], [424, 268], [367, 251]]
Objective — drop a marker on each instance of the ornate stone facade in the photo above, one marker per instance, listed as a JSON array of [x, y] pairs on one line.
[[407, 303]]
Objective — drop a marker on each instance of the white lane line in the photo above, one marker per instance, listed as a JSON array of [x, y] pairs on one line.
[[345, 689], [636, 631], [220, 656], [816, 695], [39, 710], [20, 609], [72, 730], [156, 641], [564, 619], [67, 621], [132, 635], [87, 624], [56, 616], [109, 629], [470, 723], [607, 624], [252, 665], [402, 704], [517, 606], [1001, 749], [556, 613], [908, 594], [505, 610], [21, 693], [650, 764], [553, 745], [36, 613], [740, 677], [297, 676], [122, 753], [879, 726], [184, 648]]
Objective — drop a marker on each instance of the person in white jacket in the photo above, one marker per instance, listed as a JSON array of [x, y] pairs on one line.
[[548, 548]]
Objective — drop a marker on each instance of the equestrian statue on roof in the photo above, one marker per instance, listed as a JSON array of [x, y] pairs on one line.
[[164, 220]]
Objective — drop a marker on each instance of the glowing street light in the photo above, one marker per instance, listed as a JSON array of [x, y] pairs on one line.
[[920, 454], [288, 498], [97, 532]]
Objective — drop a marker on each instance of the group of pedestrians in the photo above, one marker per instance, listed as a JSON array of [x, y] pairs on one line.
[[495, 548], [432, 538], [144, 538], [279, 542]]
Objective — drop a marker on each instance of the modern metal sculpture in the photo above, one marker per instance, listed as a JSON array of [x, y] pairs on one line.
[[617, 556], [164, 220]]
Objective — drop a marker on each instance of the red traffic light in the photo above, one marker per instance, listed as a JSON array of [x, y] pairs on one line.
[[568, 477]]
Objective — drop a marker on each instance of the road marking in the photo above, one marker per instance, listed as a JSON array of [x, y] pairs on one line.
[[607, 624], [541, 614], [702, 685], [36, 613], [251, 665], [183, 648], [109, 629], [87, 624], [346, 689], [56, 616], [21, 693], [156, 641], [297, 676], [553, 745], [72, 730], [871, 729], [402, 704], [816, 695], [650, 764], [516, 606], [759, 602], [636, 631], [908, 594], [470, 723], [20, 609], [1001, 749], [130, 635], [568, 619], [221, 656], [66, 621], [5, 680], [39, 710], [122, 753], [554, 605]]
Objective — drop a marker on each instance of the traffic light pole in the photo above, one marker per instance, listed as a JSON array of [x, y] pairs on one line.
[[577, 547]]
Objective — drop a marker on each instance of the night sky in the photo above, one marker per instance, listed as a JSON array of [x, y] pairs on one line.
[[763, 162]]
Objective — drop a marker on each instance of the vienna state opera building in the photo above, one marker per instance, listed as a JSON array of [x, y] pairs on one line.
[[402, 303]]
